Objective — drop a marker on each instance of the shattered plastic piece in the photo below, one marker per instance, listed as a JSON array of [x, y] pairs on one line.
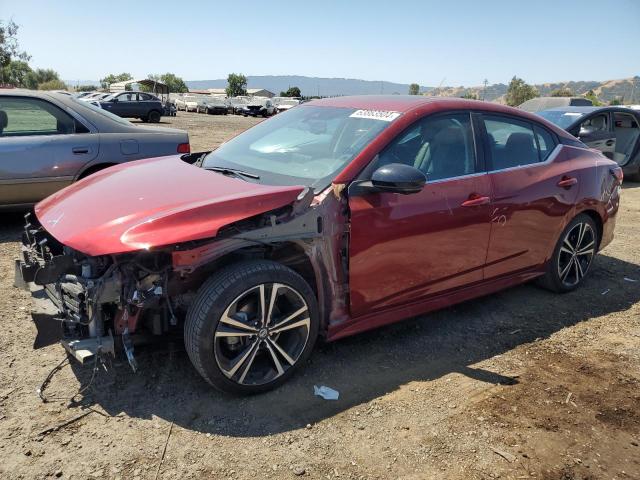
[[326, 392], [606, 291], [627, 279]]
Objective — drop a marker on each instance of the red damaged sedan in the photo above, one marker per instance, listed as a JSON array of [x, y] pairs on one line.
[[335, 217]]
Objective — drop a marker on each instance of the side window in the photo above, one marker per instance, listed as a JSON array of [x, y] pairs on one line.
[[511, 142], [144, 96], [441, 147], [546, 142], [23, 116], [599, 123], [127, 97]]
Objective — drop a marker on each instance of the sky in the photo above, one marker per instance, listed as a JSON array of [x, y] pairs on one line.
[[452, 42]]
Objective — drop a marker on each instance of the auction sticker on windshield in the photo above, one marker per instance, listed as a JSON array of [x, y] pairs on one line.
[[384, 115]]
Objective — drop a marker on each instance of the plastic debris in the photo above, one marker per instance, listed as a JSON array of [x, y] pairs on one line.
[[606, 291], [627, 279], [326, 392]]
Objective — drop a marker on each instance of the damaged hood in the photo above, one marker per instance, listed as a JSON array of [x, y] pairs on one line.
[[150, 203]]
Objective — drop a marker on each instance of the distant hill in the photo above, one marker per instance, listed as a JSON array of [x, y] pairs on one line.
[[310, 86], [626, 89]]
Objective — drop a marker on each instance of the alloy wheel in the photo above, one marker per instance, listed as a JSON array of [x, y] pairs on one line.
[[262, 334], [576, 253]]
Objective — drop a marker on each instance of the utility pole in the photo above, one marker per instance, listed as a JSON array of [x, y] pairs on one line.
[[484, 89]]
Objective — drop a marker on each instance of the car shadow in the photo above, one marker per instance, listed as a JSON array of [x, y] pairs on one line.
[[363, 367]]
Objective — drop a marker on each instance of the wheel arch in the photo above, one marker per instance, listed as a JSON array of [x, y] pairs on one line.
[[597, 218]]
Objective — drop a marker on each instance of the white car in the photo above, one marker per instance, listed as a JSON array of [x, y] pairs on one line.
[[285, 103], [190, 103]]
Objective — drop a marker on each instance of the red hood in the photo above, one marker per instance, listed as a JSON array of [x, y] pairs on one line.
[[153, 202]]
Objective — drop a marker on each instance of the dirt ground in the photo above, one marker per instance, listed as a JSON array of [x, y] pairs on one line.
[[521, 384]]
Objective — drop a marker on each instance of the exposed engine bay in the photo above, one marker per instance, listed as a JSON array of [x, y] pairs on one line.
[[136, 296]]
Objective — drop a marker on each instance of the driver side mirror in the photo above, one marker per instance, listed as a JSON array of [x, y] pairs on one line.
[[114, 100], [398, 178]]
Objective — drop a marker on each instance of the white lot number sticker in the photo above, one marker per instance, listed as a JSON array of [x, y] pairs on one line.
[[384, 115]]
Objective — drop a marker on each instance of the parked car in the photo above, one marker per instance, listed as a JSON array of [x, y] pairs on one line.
[[144, 106], [333, 218], [285, 103], [189, 103], [258, 107], [238, 103], [615, 131], [49, 141], [213, 106], [544, 103]]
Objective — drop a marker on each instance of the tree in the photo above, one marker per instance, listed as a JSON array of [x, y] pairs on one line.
[[470, 96], [86, 88], [292, 92], [55, 84], [111, 78], [591, 95], [414, 89], [236, 85], [616, 101], [9, 48], [561, 92], [519, 92], [175, 83], [16, 73]]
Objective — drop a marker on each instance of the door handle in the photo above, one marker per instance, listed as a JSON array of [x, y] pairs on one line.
[[80, 150], [474, 200], [609, 143], [567, 182]]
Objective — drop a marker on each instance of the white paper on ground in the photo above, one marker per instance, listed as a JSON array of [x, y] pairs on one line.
[[326, 392]]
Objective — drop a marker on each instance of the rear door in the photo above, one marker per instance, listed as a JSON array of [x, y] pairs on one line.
[[627, 131], [534, 188], [42, 148], [404, 248], [597, 132]]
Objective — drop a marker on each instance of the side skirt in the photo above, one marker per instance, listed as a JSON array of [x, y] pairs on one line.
[[393, 315]]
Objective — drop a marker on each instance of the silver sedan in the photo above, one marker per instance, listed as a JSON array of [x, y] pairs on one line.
[[48, 141]]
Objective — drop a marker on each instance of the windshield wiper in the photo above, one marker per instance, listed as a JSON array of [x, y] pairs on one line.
[[233, 171]]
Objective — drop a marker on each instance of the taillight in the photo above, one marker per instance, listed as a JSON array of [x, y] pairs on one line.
[[617, 172], [184, 148]]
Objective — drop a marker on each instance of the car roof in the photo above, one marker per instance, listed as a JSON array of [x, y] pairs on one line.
[[586, 110], [423, 105]]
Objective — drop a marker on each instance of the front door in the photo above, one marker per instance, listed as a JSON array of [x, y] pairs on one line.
[[42, 148], [404, 248]]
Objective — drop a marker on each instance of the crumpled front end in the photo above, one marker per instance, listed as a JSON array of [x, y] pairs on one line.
[[135, 296]]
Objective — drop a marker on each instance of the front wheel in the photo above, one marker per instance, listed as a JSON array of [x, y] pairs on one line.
[[572, 256], [251, 326]]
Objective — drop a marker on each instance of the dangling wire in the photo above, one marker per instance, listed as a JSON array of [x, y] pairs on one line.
[[65, 361]]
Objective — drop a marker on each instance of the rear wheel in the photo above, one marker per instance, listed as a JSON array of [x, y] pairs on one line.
[[572, 256], [154, 116], [251, 326]]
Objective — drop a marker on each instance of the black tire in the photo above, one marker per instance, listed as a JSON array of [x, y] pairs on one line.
[[154, 116], [553, 279], [144, 119], [633, 177], [219, 294]]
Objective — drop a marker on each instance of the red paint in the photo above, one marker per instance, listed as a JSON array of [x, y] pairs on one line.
[[151, 203], [407, 254]]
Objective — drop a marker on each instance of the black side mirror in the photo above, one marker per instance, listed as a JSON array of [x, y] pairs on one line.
[[398, 178], [114, 100]]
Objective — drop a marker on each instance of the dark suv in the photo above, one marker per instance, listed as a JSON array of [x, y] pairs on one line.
[[144, 106]]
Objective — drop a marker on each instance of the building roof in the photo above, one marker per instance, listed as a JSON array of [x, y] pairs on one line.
[[154, 85]]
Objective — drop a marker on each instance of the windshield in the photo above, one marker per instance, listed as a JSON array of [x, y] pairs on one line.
[[307, 146], [102, 112], [561, 118]]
